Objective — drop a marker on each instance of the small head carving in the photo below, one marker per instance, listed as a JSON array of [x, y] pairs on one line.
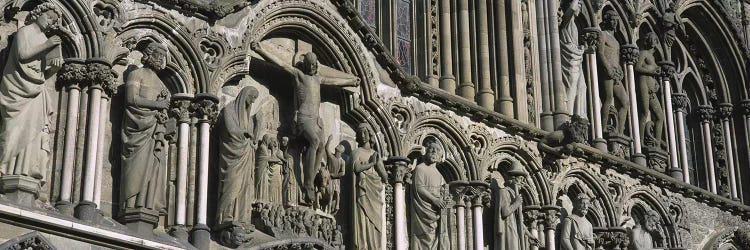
[[433, 152], [310, 63], [610, 20], [650, 40], [364, 134], [46, 16], [339, 150], [650, 220], [581, 205], [575, 5], [250, 93], [155, 56]]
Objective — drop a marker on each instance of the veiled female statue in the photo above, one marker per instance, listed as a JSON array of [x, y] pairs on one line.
[[143, 151], [237, 158], [267, 171], [25, 104], [371, 176]]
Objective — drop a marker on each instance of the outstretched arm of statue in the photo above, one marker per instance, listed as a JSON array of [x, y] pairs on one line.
[[275, 60], [132, 96], [351, 81]]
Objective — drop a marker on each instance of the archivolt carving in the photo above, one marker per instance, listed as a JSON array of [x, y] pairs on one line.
[[108, 13]]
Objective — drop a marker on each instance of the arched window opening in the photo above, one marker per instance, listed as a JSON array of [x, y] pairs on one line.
[[404, 37]]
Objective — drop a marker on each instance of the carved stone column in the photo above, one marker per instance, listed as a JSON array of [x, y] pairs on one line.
[[531, 221], [505, 102], [459, 199], [629, 55], [180, 110], [486, 95], [110, 90], [206, 110], [480, 196], [100, 73], [466, 88], [72, 76], [706, 114], [680, 103], [551, 219], [745, 108], [591, 38], [725, 114], [400, 172], [447, 80], [667, 72]]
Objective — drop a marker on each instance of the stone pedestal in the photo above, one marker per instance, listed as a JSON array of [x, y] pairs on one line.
[[658, 159], [200, 236], [21, 189], [65, 207], [619, 145], [86, 210], [179, 232], [141, 220]]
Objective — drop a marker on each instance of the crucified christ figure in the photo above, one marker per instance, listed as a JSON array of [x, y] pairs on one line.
[[307, 81]]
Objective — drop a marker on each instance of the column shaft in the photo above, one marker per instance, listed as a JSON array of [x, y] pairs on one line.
[[466, 88], [634, 123], [400, 216], [447, 80], [550, 236], [104, 116], [730, 158], [505, 104], [671, 140], [203, 172], [71, 126], [478, 227], [682, 139], [182, 172], [92, 140], [486, 95], [709, 156], [545, 71], [519, 109], [461, 218], [597, 102]]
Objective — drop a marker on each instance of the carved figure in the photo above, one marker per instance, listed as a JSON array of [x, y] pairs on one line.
[[648, 88], [323, 190], [640, 235], [25, 104], [307, 118], [371, 177], [291, 177], [143, 155], [337, 169], [574, 80], [576, 231], [237, 132], [510, 229], [609, 56], [267, 171], [427, 204]]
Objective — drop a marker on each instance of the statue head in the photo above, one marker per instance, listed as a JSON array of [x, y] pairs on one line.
[[269, 141], [433, 152], [155, 56], [575, 5], [650, 220], [46, 16], [310, 63], [248, 94], [581, 205], [515, 172], [339, 150], [610, 20], [650, 40], [284, 143], [365, 134]]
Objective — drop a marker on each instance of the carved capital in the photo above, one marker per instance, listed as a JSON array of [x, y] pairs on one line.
[[706, 113], [100, 74], [551, 216], [476, 192], [398, 168], [591, 38], [205, 107], [667, 71], [73, 73], [745, 106], [629, 53], [612, 238], [531, 213], [680, 102], [725, 111], [179, 109]]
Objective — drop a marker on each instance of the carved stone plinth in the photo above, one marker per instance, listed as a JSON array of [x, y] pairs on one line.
[[141, 220], [21, 189], [179, 232], [614, 238], [619, 145], [86, 210], [234, 234], [65, 207], [200, 236], [658, 159]]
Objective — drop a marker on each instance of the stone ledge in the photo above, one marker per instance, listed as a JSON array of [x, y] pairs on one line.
[[74, 230]]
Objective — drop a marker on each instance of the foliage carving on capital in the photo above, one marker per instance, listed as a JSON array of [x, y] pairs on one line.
[[745, 106], [725, 111], [73, 73], [100, 73], [476, 192], [706, 113], [399, 169], [667, 71], [612, 238], [551, 216], [205, 107], [591, 38], [680, 102], [629, 53], [180, 108]]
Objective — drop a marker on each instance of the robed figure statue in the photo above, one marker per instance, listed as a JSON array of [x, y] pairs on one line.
[[427, 231]]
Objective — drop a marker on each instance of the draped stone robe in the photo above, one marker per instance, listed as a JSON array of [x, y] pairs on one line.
[[426, 230]]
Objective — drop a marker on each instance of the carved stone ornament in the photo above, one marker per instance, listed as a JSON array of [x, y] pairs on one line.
[[629, 53], [612, 238], [32, 240], [180, 107], [591, 38], [667, 71], [706, 113], [100, 73], [205, 107], [725, 111], [680, 102], [399, 169], [73, 73]]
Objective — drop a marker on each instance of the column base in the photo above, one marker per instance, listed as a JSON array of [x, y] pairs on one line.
[[600, 144], [676, 173], [86, 211], [466, 90], [141, 220], [21, 189], [448, 83], [657, 158], [179, 231], [200, 236], [548, 123], [560, 118], [619, 145], [65, 207], [639, 159]]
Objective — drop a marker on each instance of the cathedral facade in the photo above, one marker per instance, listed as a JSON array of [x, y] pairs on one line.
[[367, 124]]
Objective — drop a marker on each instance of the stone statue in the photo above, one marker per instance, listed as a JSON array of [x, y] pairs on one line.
[[323, 190], [290, 176], [143, 152], [609, 57], [267, 171], [576, 232], [371, 176], [640, 235], [510, 231], [427, 204], [337, 169], [237, 132], [25, 105], [648, 88], [307, 118], [571, 51]]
